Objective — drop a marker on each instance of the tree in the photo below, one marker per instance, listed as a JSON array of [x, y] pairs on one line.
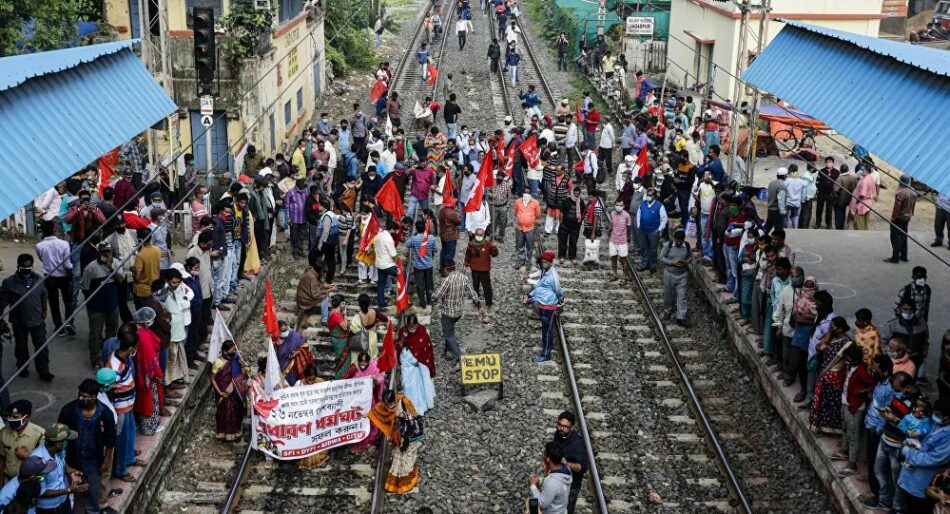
[[53, 23]]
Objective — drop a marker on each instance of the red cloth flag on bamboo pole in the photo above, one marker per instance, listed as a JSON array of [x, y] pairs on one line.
[[402, 293], [433, 74], [530, 150], [447, 189], [372, 228], [486, 172], [643, 164], [424, 247], [510, 161], [389, 199], [484, 179], [107, 164], [270, 313], [387, 357], [378, 89]]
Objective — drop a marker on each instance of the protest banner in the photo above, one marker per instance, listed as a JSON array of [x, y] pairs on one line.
[[301, 421]]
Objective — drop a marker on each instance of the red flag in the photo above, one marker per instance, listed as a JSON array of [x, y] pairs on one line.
[[474, 202], [387, 357], [270, 313], [485, 179], [372, 228], [389, 199], [433, 74], [378, 89], [510, 161], [402, 293], [447, 189], [107, 163], [642, 164], [577, 112], [424, 248], [530, 151], [486, 172]]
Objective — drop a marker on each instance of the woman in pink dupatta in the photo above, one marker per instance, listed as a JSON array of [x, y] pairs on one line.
[[366, 367], [229, 379]]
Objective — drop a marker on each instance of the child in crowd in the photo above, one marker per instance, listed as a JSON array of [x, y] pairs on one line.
[[917, 425]]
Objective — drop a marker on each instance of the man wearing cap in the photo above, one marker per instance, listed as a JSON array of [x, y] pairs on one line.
[[33, 468], [904, 202], [101, 290], [548, 298], [93, 451], [776, 201], [57, 486], [651, 222], [19, 436]]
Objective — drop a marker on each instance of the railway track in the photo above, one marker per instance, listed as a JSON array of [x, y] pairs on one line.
[[529, 72]]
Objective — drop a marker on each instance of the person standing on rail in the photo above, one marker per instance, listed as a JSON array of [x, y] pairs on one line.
[[511, 61], [675, 257], [494, 54], [548, 298], [422, 57]]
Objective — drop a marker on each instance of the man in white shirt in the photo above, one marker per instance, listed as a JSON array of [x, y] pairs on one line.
[[607, 137], [570, 142], [624, 173], [54, 253], [694, 146], [388, 156], [590, 169], [385, 250], [48, 204]]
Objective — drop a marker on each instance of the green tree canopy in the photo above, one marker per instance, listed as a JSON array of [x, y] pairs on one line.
[[53, 21]]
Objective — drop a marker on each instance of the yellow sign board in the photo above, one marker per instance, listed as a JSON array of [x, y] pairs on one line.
[[481, 368]]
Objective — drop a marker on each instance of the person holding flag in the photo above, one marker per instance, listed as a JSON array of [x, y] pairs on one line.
[[385, 249], [366, 256], [422, 57], [422, 247], [229, 374], [449, 223], [417, 367]]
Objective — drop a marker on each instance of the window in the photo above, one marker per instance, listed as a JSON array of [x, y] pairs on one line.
[[288, 9], [287, 115], [300, 99], [218, 7]]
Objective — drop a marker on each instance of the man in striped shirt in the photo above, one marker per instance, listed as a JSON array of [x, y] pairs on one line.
[[451, 297], [123, 390]]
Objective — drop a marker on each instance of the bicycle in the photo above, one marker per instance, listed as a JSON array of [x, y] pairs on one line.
[[785, 139]]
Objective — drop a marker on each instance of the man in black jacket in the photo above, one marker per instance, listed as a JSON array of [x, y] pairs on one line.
[[221, 255], [572, 210], [92, 453], [575, 455]]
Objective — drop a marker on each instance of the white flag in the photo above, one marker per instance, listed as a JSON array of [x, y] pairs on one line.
[[272, 376], [389, 126], [219, 334]]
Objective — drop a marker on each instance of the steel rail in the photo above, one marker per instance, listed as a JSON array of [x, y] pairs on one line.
[[234, 493], [409, 48], [537, 66]]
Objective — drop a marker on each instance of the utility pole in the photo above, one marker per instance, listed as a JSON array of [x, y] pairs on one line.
[[601, 16], [753, 122], [745, 8]]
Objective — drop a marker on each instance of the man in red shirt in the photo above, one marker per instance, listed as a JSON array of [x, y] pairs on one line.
[[591, 121]]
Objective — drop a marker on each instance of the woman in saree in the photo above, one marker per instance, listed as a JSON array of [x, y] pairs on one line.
[[417, 365], [310, 377], [804, 314], [293, 353], [229, 379], [403, 472], [252, 262], [435, 144], [339, 329], [826, 404], [368, 318], [366, 367], [149, 389]]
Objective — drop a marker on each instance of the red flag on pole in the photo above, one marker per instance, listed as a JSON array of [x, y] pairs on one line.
[[402, 294], [424, 247], [474, 202], [107, 163], [486, 172], [643, 164], [433, 74], [530, 150], [378, 89], [387, 357], [447, 189], [270, 313], [510, 161], [389, 199], [372, 228]]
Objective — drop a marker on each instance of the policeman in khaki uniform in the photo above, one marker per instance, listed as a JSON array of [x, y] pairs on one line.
[[19, 437]]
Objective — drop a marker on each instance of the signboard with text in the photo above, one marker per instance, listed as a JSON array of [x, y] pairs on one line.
[[639, 26], [301, 421], [481, 368]]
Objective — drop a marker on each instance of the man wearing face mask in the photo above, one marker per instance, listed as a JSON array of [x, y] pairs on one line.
[[651, 222], [919, 291], [527, 216], [921, 464], [617, 248], [221, 255], [99, 284], [93, 451], [783, 324], [33, 473], [571, 216], [912, 329], [60, 481], [19, 436], [123, 399], [548, 298], [122, 242], [28, 319], [478, 257], [675, 257]]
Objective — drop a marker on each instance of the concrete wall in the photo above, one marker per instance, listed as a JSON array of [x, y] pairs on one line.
[[720, 22]]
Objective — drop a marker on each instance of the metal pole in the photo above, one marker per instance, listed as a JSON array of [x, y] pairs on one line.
[[737, 89], [601, 16], [208, 154], [753, 122]]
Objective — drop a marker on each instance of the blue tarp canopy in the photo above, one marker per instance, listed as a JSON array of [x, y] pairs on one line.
[[61, 110], [886, 96]]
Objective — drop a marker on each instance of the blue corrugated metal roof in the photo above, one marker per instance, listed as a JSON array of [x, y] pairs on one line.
[[930, 59], [892, 106], [18, 68], [61, 116]]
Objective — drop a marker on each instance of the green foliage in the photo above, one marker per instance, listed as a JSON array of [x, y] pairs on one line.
[[349, 25], [246, 29], [54, 27]]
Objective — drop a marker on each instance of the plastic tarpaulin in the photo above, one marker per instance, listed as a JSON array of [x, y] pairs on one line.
[[579, 20]]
